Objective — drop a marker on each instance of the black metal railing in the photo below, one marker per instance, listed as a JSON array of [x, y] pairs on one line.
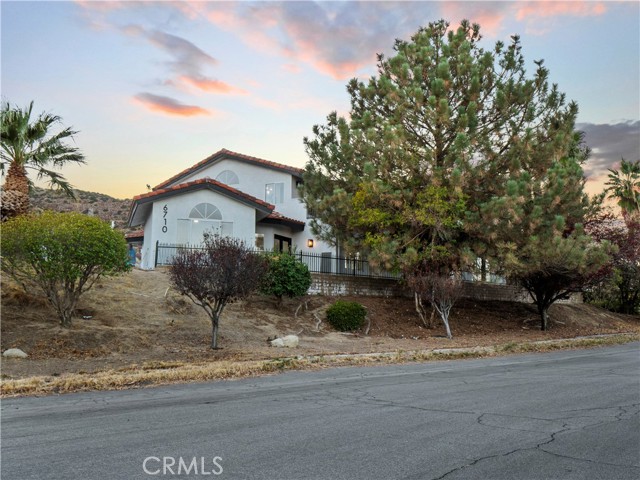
[[316, 262]]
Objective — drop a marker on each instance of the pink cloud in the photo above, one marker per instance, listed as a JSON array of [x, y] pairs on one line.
[[211, 85], [102, 6], [341, 39], [337, 39], [528, 10], [168, 106]]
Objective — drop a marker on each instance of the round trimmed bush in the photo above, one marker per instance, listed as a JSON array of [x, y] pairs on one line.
[[286, 276], [346, 316], [63, 254]]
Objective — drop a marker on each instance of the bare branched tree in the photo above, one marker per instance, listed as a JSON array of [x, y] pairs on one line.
[[440, 291], [223, 271], [445, 292]]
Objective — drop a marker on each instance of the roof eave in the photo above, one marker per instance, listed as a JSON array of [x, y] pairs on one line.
[[226, 154], [294, 226], [198, 186]]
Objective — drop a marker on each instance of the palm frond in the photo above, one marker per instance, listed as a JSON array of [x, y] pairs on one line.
[[624, 186], [33, 144], [56, 181]]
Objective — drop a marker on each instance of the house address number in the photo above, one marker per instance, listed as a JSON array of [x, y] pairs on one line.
[[165, 210]]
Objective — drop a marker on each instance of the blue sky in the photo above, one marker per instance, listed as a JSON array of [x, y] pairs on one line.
[[154, 87]]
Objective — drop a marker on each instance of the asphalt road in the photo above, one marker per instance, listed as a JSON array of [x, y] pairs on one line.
[[564, 415]]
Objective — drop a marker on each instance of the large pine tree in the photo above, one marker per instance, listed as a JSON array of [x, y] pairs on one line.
[[439, 132]]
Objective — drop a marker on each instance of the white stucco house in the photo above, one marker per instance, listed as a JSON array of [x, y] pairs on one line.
[[231, 194]]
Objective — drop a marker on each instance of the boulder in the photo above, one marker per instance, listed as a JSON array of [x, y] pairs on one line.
[[286, 341], [290, 341], [14, 353]]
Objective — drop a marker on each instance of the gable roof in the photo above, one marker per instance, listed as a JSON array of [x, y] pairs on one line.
[[228, 154], [208, 183]]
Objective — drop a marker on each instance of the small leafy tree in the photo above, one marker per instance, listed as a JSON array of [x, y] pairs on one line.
[[286, 276], [63, 254], [552, 268], [617, 285], [537, 227], [223, 271]]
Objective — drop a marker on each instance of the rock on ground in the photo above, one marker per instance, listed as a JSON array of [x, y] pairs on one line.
[[286, 341], [14, 353]]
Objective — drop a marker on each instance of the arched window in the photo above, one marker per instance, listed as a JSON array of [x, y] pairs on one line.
[[228, 177], [206, 211]]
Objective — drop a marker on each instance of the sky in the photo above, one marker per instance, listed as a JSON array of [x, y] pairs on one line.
[[155, 87]]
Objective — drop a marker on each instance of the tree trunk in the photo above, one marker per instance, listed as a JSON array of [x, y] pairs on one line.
[[65, 319], [15, 192], [214, 332], [421, 311], [17, 181], [63, 306], [543, 310], [446, 325]]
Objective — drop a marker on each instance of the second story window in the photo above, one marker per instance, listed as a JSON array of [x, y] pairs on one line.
[[228, 177], [274, 193]]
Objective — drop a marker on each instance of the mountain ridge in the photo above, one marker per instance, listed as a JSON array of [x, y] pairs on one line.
[[103, 206]]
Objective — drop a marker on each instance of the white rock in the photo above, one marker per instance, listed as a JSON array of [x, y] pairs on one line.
[[290, 341], [14, 353], [286, 341], [277, 343]]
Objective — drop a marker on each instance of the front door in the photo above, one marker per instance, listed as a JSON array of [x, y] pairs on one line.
[[281, 244]]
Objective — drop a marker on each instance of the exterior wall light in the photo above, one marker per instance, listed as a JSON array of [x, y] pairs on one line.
[[310, 243]]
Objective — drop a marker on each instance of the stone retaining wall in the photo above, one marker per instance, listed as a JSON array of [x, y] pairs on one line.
[[339, 285], [342, 285]]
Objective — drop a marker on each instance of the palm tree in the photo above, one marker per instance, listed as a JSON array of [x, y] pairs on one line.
[[27, 143], [624, 186]]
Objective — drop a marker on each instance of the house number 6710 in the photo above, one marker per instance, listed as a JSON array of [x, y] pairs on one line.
[[165, 209]]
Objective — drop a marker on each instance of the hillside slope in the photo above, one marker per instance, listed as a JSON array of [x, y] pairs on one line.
[[136, 318], [102, 206]]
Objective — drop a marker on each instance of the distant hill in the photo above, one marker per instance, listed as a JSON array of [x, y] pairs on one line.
[[102, 206]]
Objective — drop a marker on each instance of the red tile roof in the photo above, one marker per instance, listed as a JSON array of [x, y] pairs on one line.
[[234, 155], [279, 219], [204, 182], [279, 216], [134, 234]]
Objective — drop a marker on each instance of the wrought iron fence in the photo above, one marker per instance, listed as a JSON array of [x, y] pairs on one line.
[[316, 262]]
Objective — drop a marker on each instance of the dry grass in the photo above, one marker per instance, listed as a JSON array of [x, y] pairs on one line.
[[133, 331], [160, 373]]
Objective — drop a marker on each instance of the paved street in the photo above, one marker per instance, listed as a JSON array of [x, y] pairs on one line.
[[563, 415]]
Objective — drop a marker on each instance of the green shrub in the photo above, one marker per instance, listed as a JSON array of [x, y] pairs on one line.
[[62, 254], [346, 316], [286, 276]]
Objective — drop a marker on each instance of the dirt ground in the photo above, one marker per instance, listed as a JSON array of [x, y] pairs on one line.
[[137, 318]]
